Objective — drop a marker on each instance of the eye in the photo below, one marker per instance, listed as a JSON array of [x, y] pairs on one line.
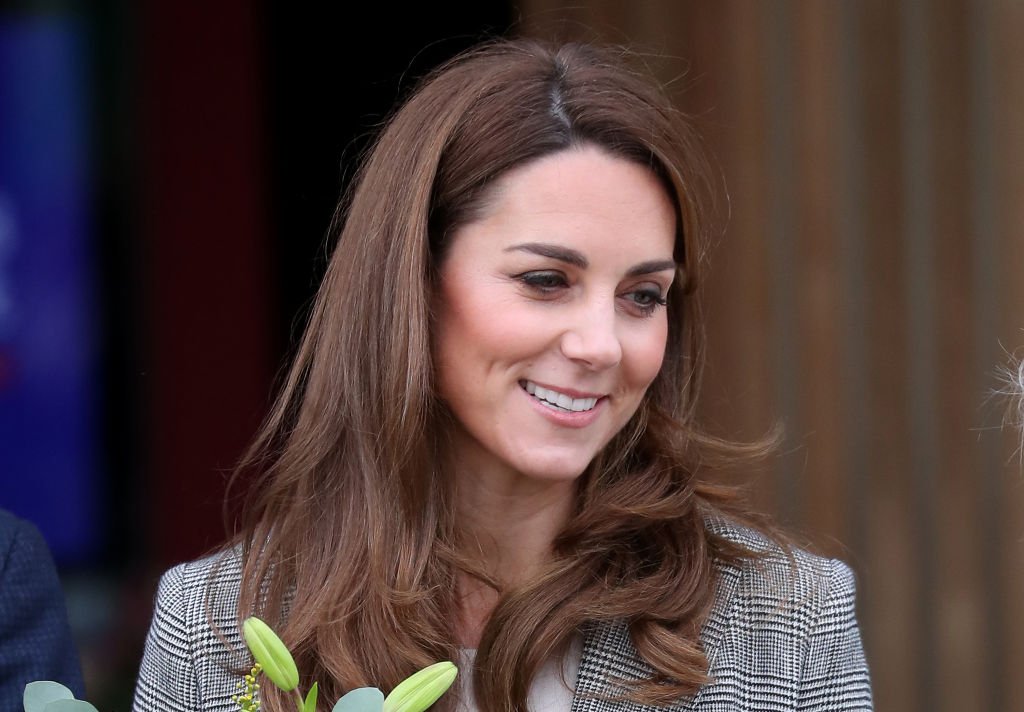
[[646, 300], [543, 282]]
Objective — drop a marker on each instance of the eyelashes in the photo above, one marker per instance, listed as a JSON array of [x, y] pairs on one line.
[[550, 284], [543, 281], [648, 299]]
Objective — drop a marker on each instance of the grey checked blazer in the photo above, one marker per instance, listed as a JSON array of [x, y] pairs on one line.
[[778, 638]]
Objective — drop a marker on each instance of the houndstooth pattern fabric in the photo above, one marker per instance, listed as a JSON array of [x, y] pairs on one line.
[[782, 636]]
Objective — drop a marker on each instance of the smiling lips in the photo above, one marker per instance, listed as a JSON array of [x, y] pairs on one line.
[[557, 400]]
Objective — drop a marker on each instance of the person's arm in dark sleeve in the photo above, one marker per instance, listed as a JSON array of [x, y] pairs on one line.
[[35, 638]]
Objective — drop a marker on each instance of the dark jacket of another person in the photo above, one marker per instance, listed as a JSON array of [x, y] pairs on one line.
[[35, 638]]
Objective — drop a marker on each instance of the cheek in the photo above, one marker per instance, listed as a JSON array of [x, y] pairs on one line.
[[486, 327], [475, 339], [457, 326], [470, 344], [646, 354]]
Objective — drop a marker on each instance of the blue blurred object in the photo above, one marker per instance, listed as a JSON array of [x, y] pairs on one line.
[[49, 406]]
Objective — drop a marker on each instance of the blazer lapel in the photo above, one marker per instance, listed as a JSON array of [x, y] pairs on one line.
[[609, 654]]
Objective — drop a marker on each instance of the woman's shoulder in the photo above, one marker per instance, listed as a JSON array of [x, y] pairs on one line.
[[781, 585], [782, 633], [219, 569], [194, 648], [784, 627], [201, 596]]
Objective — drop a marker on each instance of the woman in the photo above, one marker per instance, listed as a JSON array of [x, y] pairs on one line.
[[485, 449]]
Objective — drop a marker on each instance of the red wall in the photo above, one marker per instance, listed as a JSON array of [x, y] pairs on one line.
[[205, 254]]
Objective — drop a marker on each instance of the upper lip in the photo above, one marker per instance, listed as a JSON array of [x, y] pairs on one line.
[[571, 392]]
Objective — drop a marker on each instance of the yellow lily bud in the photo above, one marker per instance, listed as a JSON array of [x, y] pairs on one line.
[[421, 689], [271, 653]]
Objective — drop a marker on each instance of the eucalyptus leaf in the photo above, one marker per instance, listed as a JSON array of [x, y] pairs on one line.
[[361, 699], [69, 706], [310, 704], [42, 692]]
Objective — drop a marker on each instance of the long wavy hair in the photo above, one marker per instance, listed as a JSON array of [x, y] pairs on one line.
[[350, 545]]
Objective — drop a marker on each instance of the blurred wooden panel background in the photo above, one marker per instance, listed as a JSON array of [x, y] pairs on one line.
[[868, 285]]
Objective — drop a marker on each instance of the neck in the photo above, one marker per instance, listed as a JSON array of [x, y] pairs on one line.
[[508, 526], [510, 530]]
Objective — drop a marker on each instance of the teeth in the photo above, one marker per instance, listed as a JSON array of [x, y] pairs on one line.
[[555, 399]]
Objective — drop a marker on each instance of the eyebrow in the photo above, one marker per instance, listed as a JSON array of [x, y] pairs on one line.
[[576, 258], [651, 267], [555, 252]]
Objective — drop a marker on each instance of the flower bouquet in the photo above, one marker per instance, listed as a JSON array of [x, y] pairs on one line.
[[273, 660]]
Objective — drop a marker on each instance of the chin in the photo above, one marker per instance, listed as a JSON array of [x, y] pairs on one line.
[[554, 470]]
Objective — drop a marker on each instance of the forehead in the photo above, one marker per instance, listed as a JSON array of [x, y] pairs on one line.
[[580, 197]]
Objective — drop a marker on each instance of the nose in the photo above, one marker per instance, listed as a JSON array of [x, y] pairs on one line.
[[591, 339]]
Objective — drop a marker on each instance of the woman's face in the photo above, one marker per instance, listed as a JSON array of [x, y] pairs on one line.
[[550, 317]]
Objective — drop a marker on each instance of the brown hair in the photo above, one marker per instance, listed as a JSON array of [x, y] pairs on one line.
[[349, 540]]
